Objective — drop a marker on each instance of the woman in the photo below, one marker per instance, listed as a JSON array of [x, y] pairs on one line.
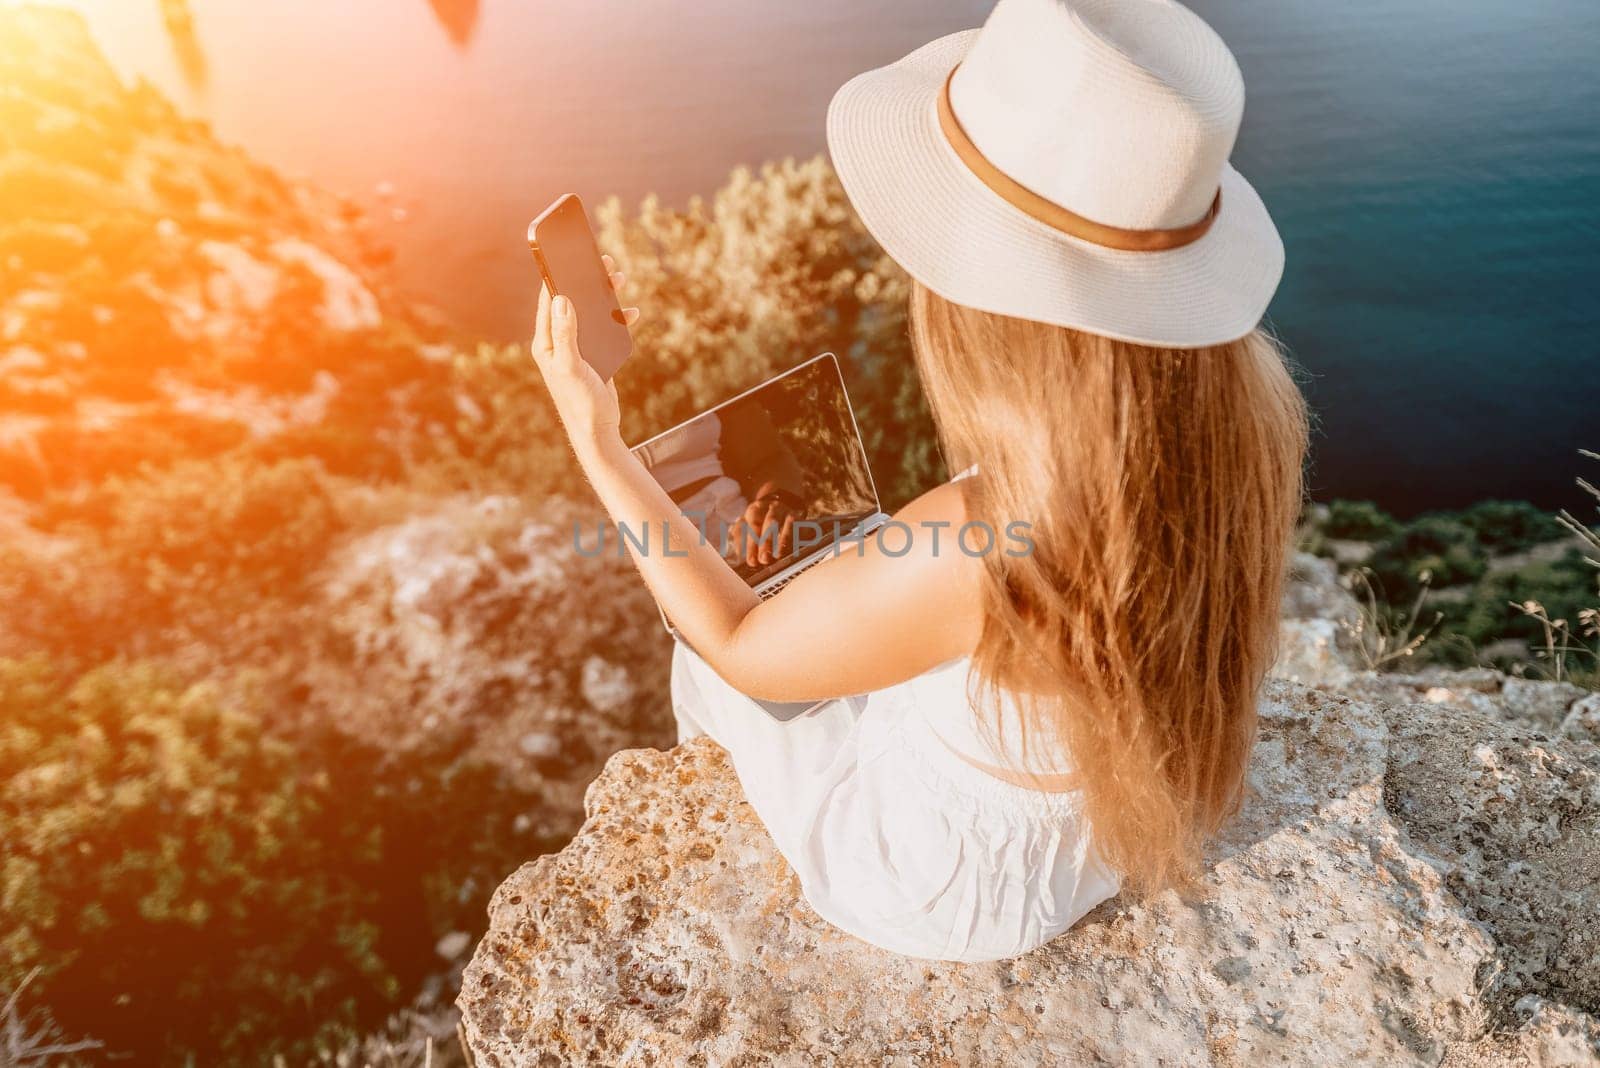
[[1030, 732]]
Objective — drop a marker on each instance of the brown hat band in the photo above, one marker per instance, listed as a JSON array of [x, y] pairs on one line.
[[1054, 215]]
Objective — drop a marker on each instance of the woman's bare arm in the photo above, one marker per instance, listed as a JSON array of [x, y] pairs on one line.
[[868, 618]]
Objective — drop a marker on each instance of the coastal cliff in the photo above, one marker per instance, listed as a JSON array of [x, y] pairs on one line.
[[1414, 879]]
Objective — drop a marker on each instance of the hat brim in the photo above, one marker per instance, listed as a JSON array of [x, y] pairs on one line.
[[963, 241]]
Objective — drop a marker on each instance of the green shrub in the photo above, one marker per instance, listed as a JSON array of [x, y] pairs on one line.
[[68, 454], [772, 270], [1564, 586], [505, 436], [215, 527], [1443, 550], [1358, 521], [61, 602], [1510, 526], [158, 866], [1486, 608], [204, 550], [194, 886]]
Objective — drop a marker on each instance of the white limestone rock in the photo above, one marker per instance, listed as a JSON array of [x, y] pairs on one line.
[[1400, 883]]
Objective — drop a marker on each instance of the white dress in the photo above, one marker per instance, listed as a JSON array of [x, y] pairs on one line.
[[895, 837]]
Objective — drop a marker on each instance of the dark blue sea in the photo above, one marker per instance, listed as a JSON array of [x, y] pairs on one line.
[[1434, 167], [1435, 170]]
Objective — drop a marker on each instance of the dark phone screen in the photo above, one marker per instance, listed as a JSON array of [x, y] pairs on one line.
[[569, 255]]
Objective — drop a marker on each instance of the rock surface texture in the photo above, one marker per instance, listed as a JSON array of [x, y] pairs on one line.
[[478, 611], [1407, 884], [1318, 634]]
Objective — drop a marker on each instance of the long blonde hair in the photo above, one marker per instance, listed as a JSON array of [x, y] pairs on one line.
[[1161, 487]]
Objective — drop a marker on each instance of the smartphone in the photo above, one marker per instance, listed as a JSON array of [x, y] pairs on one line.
[[569, 260]]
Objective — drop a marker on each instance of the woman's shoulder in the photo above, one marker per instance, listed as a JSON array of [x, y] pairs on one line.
[[933, 549], [942, 519], [944, 503]]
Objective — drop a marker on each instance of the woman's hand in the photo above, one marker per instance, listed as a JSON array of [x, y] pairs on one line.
[[587, 406]]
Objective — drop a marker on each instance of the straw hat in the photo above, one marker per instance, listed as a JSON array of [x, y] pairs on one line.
[[1067, 163]]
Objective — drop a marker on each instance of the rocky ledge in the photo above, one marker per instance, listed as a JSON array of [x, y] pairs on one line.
[[1408, 883], [1414, 879]]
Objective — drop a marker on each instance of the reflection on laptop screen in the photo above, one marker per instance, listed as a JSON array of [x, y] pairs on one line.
[[782, 463]]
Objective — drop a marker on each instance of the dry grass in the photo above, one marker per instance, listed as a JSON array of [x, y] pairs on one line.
[[412, 1038], [29, 1038], [1381, 637], [1571, 648]]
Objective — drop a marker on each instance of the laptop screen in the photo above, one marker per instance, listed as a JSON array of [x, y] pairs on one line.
[[773, 475]]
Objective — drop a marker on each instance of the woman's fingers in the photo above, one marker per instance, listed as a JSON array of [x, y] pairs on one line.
[[564, 334], [630, 315], [541, 328]]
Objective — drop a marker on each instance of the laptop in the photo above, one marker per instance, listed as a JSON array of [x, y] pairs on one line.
[[792, 446]]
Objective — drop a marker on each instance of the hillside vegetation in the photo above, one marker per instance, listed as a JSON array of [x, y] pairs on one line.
[[295, 663]]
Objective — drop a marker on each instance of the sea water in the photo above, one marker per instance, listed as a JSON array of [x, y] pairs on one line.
[[1434, 166]]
